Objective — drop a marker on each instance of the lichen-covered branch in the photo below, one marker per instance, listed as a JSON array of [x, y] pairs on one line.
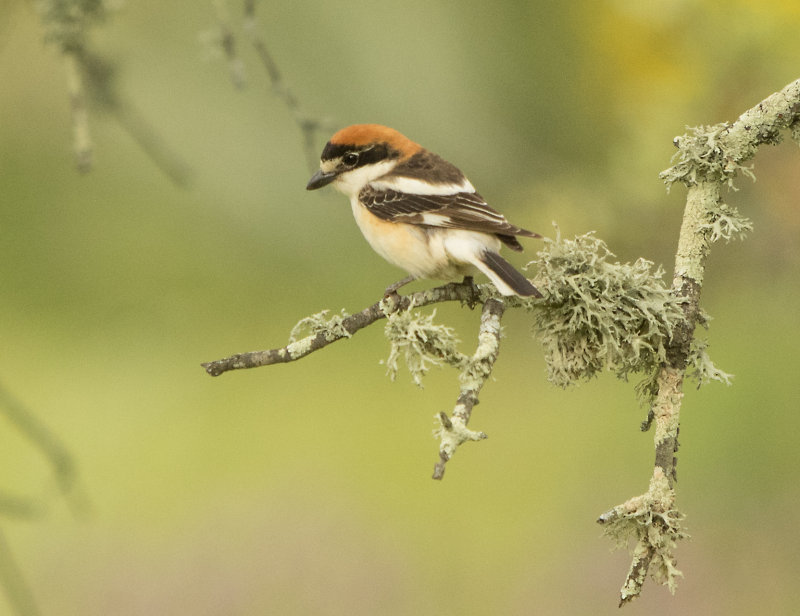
[[708, 158], [656, 526], [414, 337], [453, 430], [600, 315], [325, 331]]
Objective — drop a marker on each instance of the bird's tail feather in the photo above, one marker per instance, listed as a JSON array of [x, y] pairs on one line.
[[507, 279]]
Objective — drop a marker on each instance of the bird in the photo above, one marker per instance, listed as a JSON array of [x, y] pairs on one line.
[[418, 211]]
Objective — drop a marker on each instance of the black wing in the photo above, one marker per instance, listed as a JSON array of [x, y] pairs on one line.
[[462, 210]]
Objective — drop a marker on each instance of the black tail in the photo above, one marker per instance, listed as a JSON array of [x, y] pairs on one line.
[[510, 276]]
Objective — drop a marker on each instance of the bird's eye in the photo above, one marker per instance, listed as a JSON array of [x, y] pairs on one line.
[[350, 159]]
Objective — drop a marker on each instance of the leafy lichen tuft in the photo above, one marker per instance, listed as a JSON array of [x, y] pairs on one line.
[[702, 156], [725, 223], [601, 315], [318, 323], [651, 521], [795, 131], [421, 342], [701, 369]]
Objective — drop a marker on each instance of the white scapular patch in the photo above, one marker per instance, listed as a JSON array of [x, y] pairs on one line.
[[414, 186], [436, 220]]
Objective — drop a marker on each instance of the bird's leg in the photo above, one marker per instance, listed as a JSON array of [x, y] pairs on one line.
[[392, 289], [470, 282]]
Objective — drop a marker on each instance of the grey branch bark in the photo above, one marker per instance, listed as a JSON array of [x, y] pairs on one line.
[[348, 326]]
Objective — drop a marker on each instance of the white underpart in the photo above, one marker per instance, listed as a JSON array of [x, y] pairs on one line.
[[429, 252], [434, 251]]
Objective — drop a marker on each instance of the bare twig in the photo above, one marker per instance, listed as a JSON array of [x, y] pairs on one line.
[[228, 43], [18, 592], [45, 440], [56, 453], [310, 126], [81, 134]]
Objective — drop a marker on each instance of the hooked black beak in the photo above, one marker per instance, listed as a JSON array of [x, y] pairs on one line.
[[319, 179]]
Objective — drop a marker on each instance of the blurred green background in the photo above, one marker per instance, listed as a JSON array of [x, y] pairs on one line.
[[305, 488]]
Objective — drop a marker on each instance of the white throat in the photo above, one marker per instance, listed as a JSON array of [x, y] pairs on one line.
[[351, 182]]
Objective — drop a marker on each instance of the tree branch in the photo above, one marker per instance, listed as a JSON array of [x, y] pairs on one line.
[[707, 159], [422, 341], [453, 431], [343, 327]]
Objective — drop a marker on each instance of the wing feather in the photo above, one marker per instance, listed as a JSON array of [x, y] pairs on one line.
[[460, 210]]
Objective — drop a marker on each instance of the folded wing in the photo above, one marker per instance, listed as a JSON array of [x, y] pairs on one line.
[[459, 210]]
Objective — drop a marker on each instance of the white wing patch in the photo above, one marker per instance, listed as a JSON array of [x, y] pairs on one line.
[[414, 186], [436, 220]]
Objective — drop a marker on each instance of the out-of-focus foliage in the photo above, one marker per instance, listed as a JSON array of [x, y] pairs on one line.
[[304, 488]]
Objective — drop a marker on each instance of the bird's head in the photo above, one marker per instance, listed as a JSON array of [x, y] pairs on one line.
[[359, 154]]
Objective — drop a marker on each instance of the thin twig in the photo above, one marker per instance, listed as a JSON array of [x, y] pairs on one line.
[[42, 437], [81, 134], [18, 592], [56, 453], [309, 126], [228, 44]]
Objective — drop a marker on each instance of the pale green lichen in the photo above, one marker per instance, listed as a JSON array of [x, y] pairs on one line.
[[453, 432], [704, 155], [655, 527], [320, 322], [421, 343], [725, 223], [475, 372], [599, 314], [701, 369], [795, 132]]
